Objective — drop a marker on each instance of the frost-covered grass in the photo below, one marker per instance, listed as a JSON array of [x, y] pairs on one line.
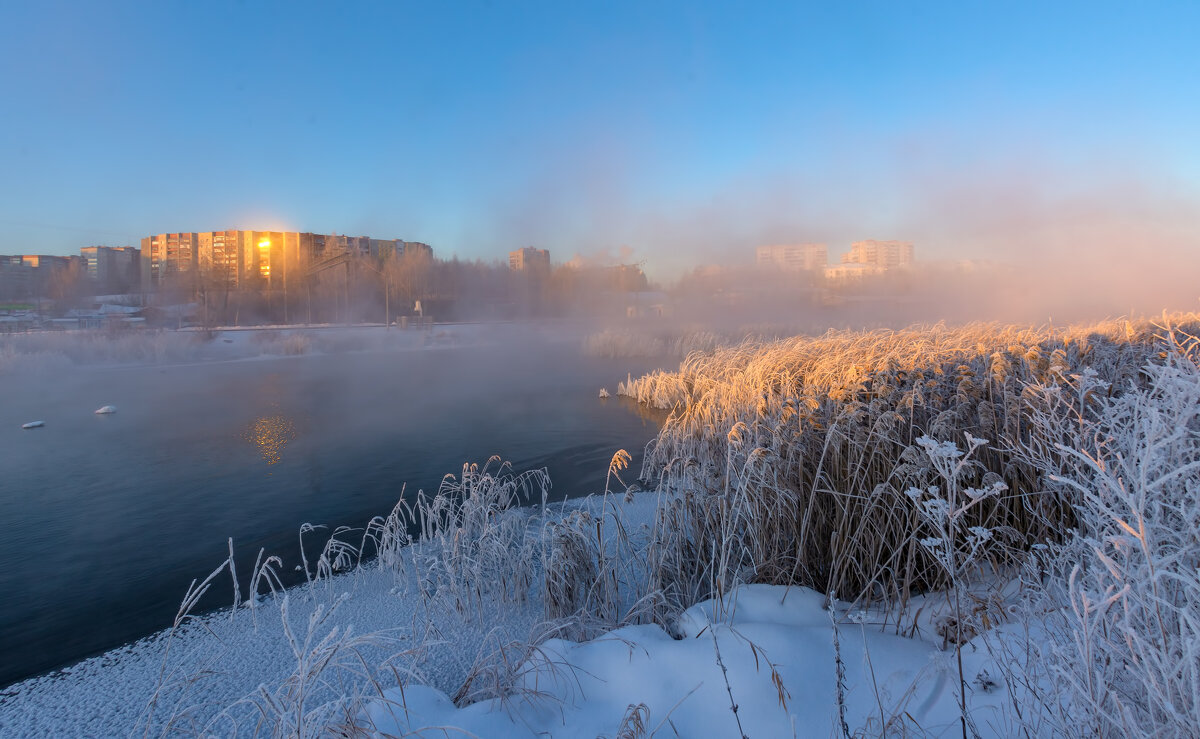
[[630, 342], [446, 590], [474, 583], [1119, 598], [796, 455], [52, 350]]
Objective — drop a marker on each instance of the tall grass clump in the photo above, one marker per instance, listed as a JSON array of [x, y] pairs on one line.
[[630, 342], [593, 570], [788, 461], [465, 550], [470, 544]]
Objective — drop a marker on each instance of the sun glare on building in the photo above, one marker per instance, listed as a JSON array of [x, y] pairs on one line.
[[264, 257]]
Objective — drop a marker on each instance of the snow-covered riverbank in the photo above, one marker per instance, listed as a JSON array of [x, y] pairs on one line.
[[350, 641]]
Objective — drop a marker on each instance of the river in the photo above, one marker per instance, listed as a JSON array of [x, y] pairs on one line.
[[107, 518]]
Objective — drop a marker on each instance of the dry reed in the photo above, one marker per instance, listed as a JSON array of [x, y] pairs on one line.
[[788, 460]]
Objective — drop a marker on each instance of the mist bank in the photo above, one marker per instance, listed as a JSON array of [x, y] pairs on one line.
[[1061, 292]]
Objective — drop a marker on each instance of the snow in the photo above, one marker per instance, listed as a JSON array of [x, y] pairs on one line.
[[777, 648], [776, 644]]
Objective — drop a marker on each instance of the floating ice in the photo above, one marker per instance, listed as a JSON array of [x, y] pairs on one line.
[[33, 425], [104, 410]]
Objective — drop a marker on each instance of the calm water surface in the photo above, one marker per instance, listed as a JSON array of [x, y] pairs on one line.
[[108, 518]]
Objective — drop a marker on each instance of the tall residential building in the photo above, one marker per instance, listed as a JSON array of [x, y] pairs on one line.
[[529, 259], [221, 257], [793, 256], [113, 269], [880, 254], [258, 260], [169, 254], [358, 245]]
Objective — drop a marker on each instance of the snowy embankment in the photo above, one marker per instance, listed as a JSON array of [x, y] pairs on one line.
[[765, 667], [194, 676], [335, 653]]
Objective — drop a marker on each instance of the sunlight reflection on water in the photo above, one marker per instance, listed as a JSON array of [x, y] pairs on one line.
[[270, 435]]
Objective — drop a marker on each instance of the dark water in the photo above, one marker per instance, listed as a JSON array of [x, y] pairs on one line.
[[106, 519]]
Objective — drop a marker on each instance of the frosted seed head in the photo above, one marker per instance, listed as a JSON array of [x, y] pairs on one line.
[[988, 492], [939, 449], [980, 534], [935, 509], [974, 441]]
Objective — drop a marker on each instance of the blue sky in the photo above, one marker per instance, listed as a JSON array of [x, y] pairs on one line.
[[684, 132]]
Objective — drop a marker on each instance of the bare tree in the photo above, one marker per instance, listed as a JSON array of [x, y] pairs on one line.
[[409, 275]]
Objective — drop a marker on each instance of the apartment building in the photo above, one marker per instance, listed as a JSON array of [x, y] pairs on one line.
[[258, 260], [793, 256], [113, 269], [529, 259], [169, 254], [880, 254]]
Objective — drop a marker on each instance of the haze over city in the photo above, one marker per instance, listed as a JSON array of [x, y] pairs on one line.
[[685, 133]]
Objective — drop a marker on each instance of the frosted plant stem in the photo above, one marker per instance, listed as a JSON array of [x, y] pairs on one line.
[[733, 706]]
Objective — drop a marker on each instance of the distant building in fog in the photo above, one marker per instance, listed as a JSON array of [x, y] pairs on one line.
[[793, 256], [16, 278], [626, 278], [529, 259], [24, 276], [710, 270], [880, 254], [49, 269], [113, 269], [848, 271]]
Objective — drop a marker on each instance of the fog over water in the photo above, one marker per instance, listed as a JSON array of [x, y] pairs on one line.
[[108, 518]]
